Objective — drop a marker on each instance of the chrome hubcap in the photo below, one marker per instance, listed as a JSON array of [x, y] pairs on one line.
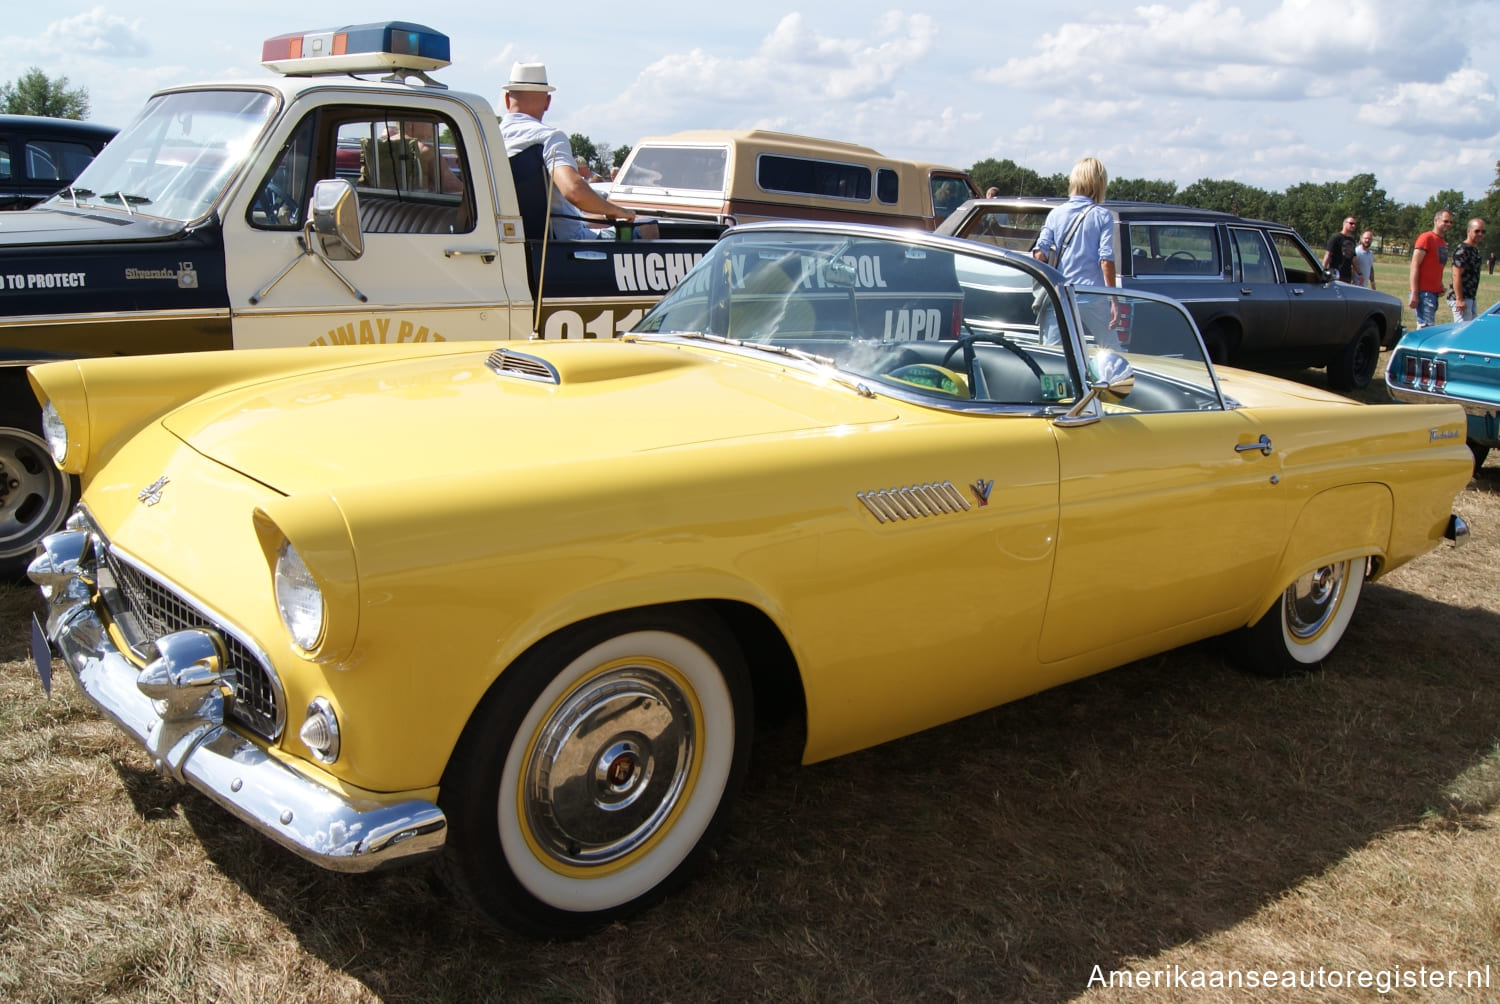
[[609, 766], [1313, 598]]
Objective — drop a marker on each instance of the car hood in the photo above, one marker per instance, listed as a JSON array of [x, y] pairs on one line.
[[437, 416], [42, 225]]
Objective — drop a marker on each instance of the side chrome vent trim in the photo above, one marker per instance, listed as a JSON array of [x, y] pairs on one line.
[[508, 362], [914, 501]]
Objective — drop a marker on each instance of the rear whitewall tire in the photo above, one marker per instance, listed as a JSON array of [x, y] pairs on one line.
[[1307, 623]]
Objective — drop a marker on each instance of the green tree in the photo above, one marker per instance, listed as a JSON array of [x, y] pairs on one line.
[[1228, 197], [1012, 179], [621, 152], [584, 150], [32, 93], [1143, 190], [1489, 208], [1367, 202]]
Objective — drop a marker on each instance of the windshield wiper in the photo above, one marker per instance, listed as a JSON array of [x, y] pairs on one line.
[[74, 193], [127, 200], [822, 362]]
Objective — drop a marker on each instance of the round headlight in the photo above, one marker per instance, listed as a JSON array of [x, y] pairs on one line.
[[55, 433], [298, 598]]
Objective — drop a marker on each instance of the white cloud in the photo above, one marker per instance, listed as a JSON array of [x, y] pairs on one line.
[[1462, 106], [795, 76], [1299, 49], [97, 32]]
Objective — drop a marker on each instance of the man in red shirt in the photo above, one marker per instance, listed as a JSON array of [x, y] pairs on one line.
[[1427, 262]]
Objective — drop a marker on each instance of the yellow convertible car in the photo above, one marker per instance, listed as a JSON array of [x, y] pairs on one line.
[[515, 605]]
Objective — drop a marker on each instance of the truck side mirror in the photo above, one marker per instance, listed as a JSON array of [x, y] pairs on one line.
[[333, 216]]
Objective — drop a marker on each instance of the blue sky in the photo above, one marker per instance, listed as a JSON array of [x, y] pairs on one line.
[[1269, 94]]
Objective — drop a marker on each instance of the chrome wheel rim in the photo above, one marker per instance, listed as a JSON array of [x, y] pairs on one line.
[[1313, 599], [609, 765]]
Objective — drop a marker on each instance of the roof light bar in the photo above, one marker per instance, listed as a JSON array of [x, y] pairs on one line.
[[357, 48]]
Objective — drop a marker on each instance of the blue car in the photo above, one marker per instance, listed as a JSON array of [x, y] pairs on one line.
[[1459, 363]]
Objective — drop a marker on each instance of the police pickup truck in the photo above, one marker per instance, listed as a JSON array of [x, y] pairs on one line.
[[307, 208]]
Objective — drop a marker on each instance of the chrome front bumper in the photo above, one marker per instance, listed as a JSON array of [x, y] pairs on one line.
[[174, 707]]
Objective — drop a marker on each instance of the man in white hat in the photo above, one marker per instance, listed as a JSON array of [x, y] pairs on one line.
[[527, 97]]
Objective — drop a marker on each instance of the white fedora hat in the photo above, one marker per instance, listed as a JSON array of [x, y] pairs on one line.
[[528, 77]]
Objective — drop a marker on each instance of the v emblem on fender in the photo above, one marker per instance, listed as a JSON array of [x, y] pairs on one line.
[[981, 490]]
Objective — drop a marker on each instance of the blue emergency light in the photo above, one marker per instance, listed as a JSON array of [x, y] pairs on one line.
[[357, 48]]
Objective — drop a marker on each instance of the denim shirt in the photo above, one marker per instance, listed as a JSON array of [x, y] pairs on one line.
[[1092, 243]]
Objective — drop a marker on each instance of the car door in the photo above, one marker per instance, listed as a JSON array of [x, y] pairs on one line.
[[1170, 514], [431, 267], [1263, 296], [1315, 314]]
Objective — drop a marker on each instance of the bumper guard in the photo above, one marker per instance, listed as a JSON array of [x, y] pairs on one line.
[[174, 708]]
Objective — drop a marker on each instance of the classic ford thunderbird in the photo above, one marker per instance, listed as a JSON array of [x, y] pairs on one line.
[[515, 605]]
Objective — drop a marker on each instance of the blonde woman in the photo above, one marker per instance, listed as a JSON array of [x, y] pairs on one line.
[[1078, 238]]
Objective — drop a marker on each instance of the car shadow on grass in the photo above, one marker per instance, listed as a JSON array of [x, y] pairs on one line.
[[1000, 857]]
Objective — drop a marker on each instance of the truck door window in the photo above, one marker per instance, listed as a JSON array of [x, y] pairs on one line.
[[281, 200], [408, 170], [948, 193]]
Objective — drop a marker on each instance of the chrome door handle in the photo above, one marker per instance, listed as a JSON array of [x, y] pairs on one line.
[[1263, 445], [486, 255]]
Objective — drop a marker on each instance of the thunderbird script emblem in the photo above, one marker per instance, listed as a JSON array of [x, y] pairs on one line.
[[981, 490], [151, 494]]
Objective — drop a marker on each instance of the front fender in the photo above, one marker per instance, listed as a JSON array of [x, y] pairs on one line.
[[1351, 521]]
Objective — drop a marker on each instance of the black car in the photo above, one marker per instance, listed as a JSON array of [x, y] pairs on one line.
[[39, 156], [1260, 295]]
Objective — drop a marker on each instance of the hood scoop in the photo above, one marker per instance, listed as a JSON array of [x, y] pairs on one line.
[[591, 361], [507, 362]]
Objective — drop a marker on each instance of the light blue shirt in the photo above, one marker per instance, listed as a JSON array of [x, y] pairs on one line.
[[521, 131], [1094, 241]]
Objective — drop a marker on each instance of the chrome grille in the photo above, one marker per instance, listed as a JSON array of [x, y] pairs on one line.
[[145, 609], [508, 363], [915, 501]]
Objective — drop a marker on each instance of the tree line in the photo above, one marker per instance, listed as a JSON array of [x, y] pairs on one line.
[[1316, 211], [1313, 210]]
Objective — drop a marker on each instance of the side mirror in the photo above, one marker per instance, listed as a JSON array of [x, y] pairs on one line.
[[1110, 376], [333, 217]]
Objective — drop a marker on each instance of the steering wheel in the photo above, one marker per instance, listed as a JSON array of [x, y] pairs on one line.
[[965, 344], [277, 206], [1182, 254]]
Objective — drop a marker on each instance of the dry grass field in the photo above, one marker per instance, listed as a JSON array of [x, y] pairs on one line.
[[1171, 813]]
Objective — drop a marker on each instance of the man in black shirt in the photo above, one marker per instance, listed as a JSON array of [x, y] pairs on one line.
[[1340, 254]]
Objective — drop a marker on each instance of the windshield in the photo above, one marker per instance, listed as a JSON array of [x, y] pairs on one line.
[[175, 159], [934, 324], [914, 319]]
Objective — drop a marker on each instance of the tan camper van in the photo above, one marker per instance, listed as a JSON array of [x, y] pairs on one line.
[[758, 175]]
